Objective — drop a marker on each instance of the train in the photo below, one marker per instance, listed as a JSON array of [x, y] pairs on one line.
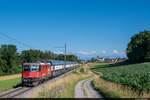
[[40, 71]]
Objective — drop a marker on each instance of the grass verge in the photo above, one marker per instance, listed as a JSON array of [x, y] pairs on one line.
[[65, 87], [9, 84]]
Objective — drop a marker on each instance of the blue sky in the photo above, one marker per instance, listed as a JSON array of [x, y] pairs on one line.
[[89, 27]]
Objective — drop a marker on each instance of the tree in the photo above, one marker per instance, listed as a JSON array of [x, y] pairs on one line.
[[60, 57], [8, 58], [3, 66], [68, 57], [31, 55], [72, 58], [36, 55], [138, 49], [47, 55], [92, 59]]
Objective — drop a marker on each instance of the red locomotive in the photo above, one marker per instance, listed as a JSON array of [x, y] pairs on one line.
[[35, 73]]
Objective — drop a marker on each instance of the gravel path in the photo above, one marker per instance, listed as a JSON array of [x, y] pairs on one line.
[[84, 89]]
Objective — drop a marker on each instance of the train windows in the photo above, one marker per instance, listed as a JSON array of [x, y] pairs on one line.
[[35, 68], [26, 68]]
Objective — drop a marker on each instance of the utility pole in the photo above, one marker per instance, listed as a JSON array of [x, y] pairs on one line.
[[65, 54]]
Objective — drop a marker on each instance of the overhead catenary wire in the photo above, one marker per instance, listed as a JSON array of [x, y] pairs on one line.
[[15, 40]]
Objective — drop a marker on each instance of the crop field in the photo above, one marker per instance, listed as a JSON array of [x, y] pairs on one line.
[[136, 76]]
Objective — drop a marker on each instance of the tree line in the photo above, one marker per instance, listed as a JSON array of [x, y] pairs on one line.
[[11, 61]]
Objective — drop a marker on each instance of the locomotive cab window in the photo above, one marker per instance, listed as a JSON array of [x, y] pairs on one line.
[[26, 68], [35, 68]]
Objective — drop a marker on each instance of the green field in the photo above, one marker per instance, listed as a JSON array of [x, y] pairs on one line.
[[135, 75], [9, 84]]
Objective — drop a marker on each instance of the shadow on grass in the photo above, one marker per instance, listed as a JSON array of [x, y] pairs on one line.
[[18, 85], [21, 85]]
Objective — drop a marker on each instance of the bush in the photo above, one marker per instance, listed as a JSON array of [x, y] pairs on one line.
[[82, 70]]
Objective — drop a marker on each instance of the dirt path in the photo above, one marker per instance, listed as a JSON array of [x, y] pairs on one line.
[[84, 89], [9, 77]]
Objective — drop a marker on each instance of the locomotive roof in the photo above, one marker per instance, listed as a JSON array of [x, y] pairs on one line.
[[35, 64]]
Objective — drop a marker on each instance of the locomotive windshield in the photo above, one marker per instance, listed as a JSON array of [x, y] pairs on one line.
[[28, 68], [35, 68]]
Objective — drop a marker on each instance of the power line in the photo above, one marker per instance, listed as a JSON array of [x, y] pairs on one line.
[[20, 42]]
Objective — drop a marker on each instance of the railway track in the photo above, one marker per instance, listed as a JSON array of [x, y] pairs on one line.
[[20, 90], [15, 92]]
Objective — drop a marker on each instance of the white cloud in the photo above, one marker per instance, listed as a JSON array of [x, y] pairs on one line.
[[86, 53], [103, 52], [59, 52], [115, 52]]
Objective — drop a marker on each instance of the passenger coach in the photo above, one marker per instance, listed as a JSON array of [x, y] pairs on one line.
[[38, 72]]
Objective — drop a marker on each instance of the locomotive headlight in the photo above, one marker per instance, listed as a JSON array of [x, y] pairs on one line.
[[24, 80]]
